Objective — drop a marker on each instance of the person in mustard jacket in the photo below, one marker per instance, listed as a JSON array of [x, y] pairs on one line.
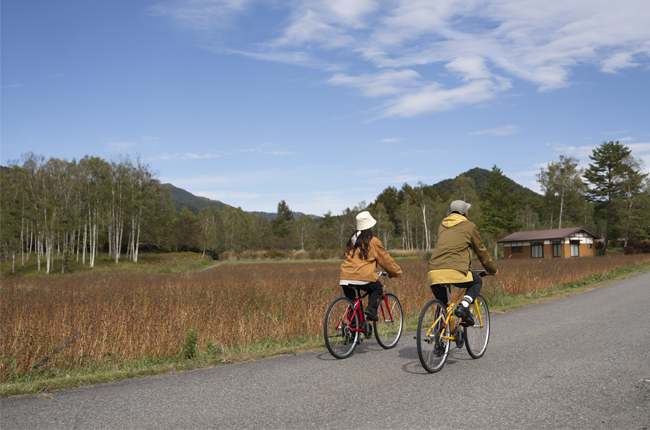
[[363, 253], [451, 260]]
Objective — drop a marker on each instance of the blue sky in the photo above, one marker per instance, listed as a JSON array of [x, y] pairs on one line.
[[324, 103]]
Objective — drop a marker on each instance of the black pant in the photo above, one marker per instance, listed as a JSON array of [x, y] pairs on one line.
[[473, 288], [375, 288]]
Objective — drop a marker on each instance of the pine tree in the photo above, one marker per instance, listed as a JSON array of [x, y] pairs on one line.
[[608, 176], [499, 211]]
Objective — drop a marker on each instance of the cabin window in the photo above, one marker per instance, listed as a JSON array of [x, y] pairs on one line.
[[557, 249], [575, 248], [537, 249]]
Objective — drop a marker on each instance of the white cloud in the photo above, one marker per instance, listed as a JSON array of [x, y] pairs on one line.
[[434, 98], [142, 142], [183, 156], [201, 15], [121, 146], [391, 140], [578, 151], [259, 150], [626, 139], [482, 44], [641, 150], [501, 131], [469, 68], [386, 82]]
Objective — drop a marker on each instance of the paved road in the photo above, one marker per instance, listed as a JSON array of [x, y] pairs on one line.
[[578, 362]]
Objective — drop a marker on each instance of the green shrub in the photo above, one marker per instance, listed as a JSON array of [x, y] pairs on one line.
[[188, 350]]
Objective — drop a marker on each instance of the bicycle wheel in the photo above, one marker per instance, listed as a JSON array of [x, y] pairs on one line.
[[432, 348], [477, 336], [339, 339], [389, 327]]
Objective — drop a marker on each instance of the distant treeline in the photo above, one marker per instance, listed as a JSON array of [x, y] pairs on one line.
[[75, 209]]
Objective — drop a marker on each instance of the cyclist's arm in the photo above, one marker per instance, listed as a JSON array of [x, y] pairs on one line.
[[386, 261]]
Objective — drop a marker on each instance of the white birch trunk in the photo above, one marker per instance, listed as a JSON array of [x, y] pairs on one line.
[[83, 250], [38, 251], [22, 245], [137, 240]]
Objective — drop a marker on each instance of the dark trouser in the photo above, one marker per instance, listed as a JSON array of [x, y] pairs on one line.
[[473, 288], [375, 288]]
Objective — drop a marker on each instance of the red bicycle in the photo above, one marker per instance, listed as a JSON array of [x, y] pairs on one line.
[[345, 322]]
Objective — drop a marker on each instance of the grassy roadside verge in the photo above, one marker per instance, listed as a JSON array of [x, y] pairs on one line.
[[109, 372]]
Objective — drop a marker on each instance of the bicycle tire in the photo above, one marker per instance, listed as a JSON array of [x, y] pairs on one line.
[[478, 336], [432, 349], [339, 340], [389, 327]]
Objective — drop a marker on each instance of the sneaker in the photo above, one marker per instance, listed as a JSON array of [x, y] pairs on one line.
[[463, 312], [371, 314]]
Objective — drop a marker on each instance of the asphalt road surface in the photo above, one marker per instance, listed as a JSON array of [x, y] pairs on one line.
[[578, 362]]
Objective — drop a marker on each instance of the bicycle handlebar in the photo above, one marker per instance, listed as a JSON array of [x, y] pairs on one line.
[[482, 273], [382, 273]]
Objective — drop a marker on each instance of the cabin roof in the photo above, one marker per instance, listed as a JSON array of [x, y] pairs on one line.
[[557, 233]]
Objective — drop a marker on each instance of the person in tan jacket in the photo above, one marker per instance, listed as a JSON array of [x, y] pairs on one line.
[[451, 260], [359, 270]]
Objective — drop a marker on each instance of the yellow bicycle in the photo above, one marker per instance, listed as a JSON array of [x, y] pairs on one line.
[[438, 327]]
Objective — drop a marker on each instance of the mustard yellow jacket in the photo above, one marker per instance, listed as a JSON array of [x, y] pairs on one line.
[[356, 269], [457, 237]]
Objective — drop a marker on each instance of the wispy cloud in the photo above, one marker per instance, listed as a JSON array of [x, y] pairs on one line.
[[501, 131], [125, 145], [183, 156], [639, 147], [391, 140], [121, 146], [482, 44], [261, 150], [12, 86], [641, 150], [578, 151], [201, 15]]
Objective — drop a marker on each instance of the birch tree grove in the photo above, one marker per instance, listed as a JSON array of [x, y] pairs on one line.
[[67, 208]]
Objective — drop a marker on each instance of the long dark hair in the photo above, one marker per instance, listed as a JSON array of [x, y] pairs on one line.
[[362, 243]]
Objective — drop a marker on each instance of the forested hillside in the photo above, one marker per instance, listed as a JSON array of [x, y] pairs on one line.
[[480, 178], [181, 198], [58, 211]]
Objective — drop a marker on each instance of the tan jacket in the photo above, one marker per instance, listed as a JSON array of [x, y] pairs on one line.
[[356, 269], [457, 237]]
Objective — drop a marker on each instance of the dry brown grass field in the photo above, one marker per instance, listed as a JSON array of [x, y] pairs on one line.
[[71, 321]]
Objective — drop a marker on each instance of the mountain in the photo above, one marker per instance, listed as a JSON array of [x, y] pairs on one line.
[[480, 177], [182, 198]]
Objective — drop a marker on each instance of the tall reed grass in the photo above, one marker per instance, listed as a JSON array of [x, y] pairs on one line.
[[68, 322]]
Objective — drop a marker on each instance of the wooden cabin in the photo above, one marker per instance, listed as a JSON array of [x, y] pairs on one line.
[[557, 243]]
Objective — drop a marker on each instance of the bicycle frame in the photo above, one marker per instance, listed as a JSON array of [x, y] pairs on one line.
[[357, 308], [449, 327]]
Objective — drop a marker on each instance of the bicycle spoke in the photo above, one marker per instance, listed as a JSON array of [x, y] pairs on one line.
[[389, 327]]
